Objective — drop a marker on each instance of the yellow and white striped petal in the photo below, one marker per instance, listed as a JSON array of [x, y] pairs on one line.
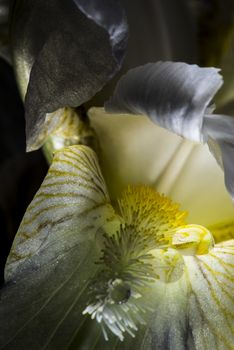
[[197, 312], [73, 199], [53, 256]]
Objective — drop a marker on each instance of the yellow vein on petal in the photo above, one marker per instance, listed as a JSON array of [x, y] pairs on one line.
[[223, 263], [93, 165], [213, 330], [198, 309], [38, 200], [215, 272], [58, 173], [221, 284], [225, 275], [64, 183], [66, 195], [215, 298], [57, 206], [225, 250], [72, 166]]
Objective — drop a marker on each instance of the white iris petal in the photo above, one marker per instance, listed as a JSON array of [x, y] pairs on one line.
[[134, 150], [177, 96]]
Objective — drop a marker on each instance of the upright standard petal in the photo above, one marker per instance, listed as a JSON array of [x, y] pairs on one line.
[[177, 96], [146, 153], [64, 52], [174, 95]]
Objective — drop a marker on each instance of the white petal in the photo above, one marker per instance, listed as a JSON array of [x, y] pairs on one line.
[[199, 187], [72, 198], [174, 95], [133, 149], [136, 151], [53, 258]]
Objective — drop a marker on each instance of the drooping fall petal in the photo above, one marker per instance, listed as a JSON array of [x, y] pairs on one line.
[[71, 194], [197, 311], [53, 255]]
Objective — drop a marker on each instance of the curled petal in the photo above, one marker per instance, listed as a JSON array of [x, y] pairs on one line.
[[64, 52], [173, 95]]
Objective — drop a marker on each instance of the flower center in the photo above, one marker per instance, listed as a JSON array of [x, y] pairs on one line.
[[147, 249], [160, 220]]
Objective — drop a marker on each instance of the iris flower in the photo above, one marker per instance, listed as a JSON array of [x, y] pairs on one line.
[[114, 262], [134, 264]]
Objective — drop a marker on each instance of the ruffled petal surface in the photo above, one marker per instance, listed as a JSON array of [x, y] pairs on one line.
[[174, 95], [177, 96]]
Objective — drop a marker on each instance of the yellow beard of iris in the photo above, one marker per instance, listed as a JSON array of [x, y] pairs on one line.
[[154, 215], [145, 249]]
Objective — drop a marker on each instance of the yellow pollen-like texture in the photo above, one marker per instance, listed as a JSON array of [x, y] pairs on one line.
[[150, 212]]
